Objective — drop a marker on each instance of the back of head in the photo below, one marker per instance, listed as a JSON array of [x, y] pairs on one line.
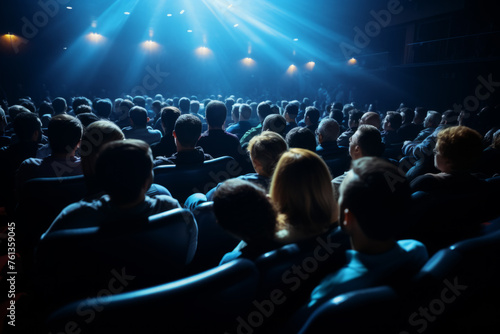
[[139, 101], [354, 117], [371, 118], [244, 210], [25, 124], [87, 118], [275, 123], [267, 148], [245, 112], [450, 117], [95, 136], [126, 104], [15, 110], [103, 108], [123, 167], [263, 110], [59, 105], [169, 116], [28, 104], [337, 115], [235, 111], [313, 113], [64, 132], [194, 107], [329, 129], [45, 108], [83, 109], [432, 119], [299, 137], [188, 130], [420, 113], [369, 140], [302, 192], [184, 105], [216, 114], [292, 109], [139, 116], [80, 100], [378, 194], [395, 119], [461, 146], [407, 115]]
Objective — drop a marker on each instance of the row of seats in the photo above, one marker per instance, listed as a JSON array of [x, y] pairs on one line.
[[454, 292]]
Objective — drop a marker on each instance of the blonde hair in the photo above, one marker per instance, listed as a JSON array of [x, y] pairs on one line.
[[303, 196], [267, 148]]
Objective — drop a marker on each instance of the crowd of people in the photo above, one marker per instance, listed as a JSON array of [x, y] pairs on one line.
[[308, 170]]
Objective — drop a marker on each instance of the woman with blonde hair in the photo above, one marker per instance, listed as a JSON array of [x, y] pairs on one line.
[[303, 196]]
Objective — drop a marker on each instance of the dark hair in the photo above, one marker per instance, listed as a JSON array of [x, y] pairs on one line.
[[292, 109], [87, 118], [245, 111], [169, 116], [83, 108], [184, 104], [123, 167], [59, 104], [337, 115], [103, 108], [313, 114], [264, 110], [28, 104], [139, 101], [395, 119], [64, 132], [378, 195], [355, 115], [407, 114], [216, 113], [275, 123], [127, 103], [188, 130], [248, 203], [370, 141], [139, 116], [25, 124], [45, 108], [300, 137], [79, 100]]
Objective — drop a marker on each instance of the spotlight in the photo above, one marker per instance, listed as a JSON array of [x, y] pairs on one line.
[[203, 51], [352, 62], [169, 14], [295, 39], [95, 37], [182, 11], [126, 13], [310, 65], [69, 7], [236, 25], [248, 62], [150, 45], [189, 30], [291, 69]]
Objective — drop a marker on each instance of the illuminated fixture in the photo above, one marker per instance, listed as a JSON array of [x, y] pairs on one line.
[[126, 13], [295, 39], [95, 37], [310, 65], [352, 61], [169, 14], [150, 45], [182, 11], [248, 62], [203, 51], [291, 69], [189, 30], [236, 25], [69, 7]]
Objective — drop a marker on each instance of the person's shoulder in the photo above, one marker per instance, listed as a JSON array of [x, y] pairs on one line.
[[424, 182], [160, 203], [414, 249]]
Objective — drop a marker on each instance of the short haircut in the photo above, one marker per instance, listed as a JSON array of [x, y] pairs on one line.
[[169, 116], [378, 195], [25, 124], [188, 130], [432, 119], [139, 116], [127, 103], [123, 167], [461, 146], [95, 136], [264, 110], [16, 110], [371, 118], [28, 104], [45, 108], [139, 101], [64, 132], [82, 109], [407, 114], [451, 117], [194, 106], [370, 141], [235, 111], [420, 113], [267, 148], [79, 100], [245, 111], [87, 118], [337, 115], [275, 123], [256, 218], [59, 104], [216, 114], [156, 104], [300, 137], [313, 113], [103, 108], [184, 104], [329, 129], [355, 115], [292, 109], [395, 119]]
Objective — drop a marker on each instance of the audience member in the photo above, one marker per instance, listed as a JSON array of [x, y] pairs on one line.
[[139, 129], [390, 126], [263, 110], [103, 108], [255, 228], [408, 130], [371, 209], [87, 118], [166, 146], [291, 111], [353, 123], [125, 170], [303, 196], [371, 118], [187, 131], [243, 124], [311, 118], [300, 137], [122, 117], [60, 106], [275, 123]]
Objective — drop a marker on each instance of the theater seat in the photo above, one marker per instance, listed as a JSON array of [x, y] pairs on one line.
[[208, 302], [213, 240], [41, 200], [457, 290], [182, 181], [76, 263], [372, 310]]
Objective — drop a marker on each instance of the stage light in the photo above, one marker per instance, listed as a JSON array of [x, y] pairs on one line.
[[150, 45], [352, 61], [236, 25], [291, 69], [126, 13], [94, 24], [310, 65], [189, 30], [95, 37], [169, 14], [248, 62], [295, 39], [182, 11], [69, 7], [203, 51]]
